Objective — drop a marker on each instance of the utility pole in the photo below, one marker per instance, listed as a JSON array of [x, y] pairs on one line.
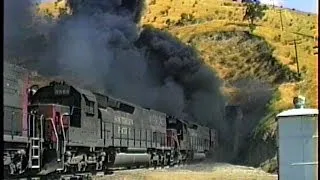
[[295, 48], [273, 4], [281, 18], [316, 38]]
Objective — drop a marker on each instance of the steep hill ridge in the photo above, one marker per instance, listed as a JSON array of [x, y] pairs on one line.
[[190, 18]]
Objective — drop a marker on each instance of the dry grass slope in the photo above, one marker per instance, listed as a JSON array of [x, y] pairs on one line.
[[197, 21], [221, 15]]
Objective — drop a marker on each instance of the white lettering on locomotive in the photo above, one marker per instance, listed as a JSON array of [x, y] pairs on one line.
[[123, 130], [156, 120], [123, 120]]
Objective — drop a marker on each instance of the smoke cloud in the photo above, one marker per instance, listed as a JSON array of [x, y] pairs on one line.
[[17, 18], [272, 2], [102, 44]]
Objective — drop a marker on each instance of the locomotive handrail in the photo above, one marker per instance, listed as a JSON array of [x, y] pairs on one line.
[[63, 133], [30, 115], [41, 127], [34, 126], [12, 133], [62, 126], [55, 131], [28, 125]]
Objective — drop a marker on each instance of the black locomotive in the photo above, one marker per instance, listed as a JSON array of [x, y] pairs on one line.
[[60, 127]]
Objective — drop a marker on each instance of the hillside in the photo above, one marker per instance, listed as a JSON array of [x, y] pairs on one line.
[[217, 31], [221, 16], [258, 68]]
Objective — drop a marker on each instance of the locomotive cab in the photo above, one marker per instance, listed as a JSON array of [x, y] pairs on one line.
[[177, 125], [49, 118]]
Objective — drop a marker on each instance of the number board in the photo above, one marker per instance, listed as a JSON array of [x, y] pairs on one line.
[[61, 90]]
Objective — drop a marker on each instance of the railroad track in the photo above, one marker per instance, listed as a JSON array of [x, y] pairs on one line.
[[82, 176]]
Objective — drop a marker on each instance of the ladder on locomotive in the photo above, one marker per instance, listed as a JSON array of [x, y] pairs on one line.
[[36, 139]]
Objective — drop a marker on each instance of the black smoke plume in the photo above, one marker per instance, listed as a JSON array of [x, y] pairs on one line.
[[102, 44], [17, 18]]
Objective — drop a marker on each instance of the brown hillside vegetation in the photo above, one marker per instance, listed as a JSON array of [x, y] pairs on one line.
[[258, 68]]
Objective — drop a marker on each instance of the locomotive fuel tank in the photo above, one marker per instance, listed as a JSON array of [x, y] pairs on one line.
[[127, 159], [199, 156], [136, 150]]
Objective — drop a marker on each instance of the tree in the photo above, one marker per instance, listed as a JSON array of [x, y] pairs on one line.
[[254, 11]]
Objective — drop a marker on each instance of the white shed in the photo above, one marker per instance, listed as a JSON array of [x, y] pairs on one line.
[[298, 144]]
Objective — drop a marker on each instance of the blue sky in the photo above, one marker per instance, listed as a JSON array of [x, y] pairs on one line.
[[302, 5]]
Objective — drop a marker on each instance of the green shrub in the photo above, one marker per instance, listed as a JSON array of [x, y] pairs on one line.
[[227, 3], [304, 69], [309, 50], [209, 18], [292, 60], [168, 22], [221, 17], [277, 38], [234, 58], [287, 54], [152, 2]]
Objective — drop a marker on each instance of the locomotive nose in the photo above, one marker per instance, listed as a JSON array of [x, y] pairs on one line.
[[46, 110], [49, 110], [55, 118]]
